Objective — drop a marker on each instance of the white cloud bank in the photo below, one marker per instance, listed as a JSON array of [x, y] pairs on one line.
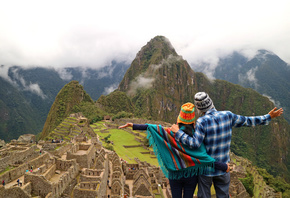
[[91, 33], [26, 86]]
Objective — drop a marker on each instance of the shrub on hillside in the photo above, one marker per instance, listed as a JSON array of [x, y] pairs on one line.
[[96, 119], [248, 182], [122, 114], [278, 183], [109, 147]]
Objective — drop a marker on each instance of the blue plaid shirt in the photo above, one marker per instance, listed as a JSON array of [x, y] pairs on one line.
[[214, 129]]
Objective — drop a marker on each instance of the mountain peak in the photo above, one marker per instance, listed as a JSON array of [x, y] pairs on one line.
[[156, 73], [157, 53]]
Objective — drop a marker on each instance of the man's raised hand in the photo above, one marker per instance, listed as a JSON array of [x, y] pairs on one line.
[[275, 113]]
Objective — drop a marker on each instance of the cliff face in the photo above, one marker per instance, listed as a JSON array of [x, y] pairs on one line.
[[159, 81], [71, 95]]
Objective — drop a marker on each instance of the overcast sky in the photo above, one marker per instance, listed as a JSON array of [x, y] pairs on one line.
[[62, 33]]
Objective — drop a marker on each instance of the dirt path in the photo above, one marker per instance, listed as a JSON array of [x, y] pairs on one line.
[[14, 182]]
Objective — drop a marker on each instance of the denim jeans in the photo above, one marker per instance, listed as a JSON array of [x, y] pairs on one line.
[[221, 184], [183, 185]]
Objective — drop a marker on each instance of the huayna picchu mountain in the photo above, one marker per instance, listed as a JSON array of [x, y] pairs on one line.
[[72, 98], [159, 81]]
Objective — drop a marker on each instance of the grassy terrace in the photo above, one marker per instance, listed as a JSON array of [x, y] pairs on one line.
[[120, 138]]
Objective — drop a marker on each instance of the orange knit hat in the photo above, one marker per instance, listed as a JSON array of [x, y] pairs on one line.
[[187, 114]]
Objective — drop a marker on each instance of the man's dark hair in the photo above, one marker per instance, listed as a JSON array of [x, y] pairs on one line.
[[189, 128]]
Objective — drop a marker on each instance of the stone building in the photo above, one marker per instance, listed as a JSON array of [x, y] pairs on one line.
[[52, 178], [83, 153], [142, 184], [93, 182]]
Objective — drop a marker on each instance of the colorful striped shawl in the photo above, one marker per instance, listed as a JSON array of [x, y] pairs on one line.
[[177, 160]]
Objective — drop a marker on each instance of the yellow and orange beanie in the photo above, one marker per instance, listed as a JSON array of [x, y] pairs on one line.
[[187, 114]]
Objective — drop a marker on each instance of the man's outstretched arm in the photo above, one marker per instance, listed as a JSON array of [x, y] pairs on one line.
[[239, 121]]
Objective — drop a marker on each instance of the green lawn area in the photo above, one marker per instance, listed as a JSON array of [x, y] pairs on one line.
[[121, 137]]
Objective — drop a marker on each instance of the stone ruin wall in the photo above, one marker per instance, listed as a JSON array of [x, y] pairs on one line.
[[103, 183], [85, 190], [116, 187], [84, 193], [102, 190], [89, 175], [27, 188], [13, 192], [85, 160], [84, 146], [20, 170], [64, 165], [13, 157], [60, 151], [50, 172], [41, 185]]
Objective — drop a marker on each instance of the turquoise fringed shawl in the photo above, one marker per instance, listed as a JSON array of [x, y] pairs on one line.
[[177, 160]]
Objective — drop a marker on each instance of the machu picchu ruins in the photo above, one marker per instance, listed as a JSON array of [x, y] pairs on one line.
[[74, 162]]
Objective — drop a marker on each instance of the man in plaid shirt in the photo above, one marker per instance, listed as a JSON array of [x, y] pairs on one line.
[[214, 129]]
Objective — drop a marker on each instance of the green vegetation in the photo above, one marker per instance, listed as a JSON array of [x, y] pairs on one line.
[[115, 102], [248, 183], [18, 116], [106, 139], [122, 114], [96, 118], [8, 168], [278, 183]]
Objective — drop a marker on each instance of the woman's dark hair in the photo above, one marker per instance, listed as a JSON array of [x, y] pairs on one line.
[[189, 128]]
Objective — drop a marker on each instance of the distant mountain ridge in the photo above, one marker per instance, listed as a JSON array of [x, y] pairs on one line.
[[17, 116], [30, 93], [265, 73]]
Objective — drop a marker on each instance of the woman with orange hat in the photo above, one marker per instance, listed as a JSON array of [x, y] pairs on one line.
[[179, 163]]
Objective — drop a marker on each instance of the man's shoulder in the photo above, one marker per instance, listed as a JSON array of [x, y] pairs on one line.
[[224, 112], [219, 113], [214, 114]]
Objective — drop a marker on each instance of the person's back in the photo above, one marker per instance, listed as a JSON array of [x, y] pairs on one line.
[[217, 126]]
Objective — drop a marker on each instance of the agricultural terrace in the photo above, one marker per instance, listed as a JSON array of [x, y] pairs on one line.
[[122, 138]]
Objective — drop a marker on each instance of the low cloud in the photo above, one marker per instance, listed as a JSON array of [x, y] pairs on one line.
[[276, 103], [106, 73], [26, 86], [140, 82], [168, 61], [4, 74], [250, 77], [64, 74], [32, 87], [108, 90]]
